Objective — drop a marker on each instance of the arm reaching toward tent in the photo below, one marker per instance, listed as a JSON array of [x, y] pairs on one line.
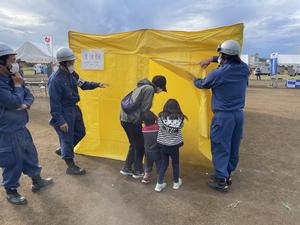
[[205, 63], [85, 85], [211, 80]]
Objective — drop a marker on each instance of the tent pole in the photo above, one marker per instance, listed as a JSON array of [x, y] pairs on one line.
[[52, 48]]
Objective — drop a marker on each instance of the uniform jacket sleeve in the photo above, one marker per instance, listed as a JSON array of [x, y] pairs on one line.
[[56, 93], [11, 99], [210, 81], [85, 85], [28, 97]]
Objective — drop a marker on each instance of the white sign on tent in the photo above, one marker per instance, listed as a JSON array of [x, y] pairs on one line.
[[92, 59]]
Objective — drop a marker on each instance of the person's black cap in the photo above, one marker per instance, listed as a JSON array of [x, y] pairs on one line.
[[160, 81]]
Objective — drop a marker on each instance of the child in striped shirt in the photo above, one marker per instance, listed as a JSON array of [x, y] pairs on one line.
[[170, 139]]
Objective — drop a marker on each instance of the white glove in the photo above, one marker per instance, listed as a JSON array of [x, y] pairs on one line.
[[14, 68]]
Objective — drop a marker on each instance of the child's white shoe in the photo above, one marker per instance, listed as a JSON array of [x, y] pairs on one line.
[[178, 184], [160, 187]]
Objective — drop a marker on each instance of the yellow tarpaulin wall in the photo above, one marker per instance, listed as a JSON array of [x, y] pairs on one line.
[[132, 56]]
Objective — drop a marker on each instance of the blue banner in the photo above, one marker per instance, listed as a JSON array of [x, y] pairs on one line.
[[274, 64]]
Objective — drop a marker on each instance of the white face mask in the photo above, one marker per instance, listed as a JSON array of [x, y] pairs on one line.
[[14, 68], [220, 59], [71, 68]]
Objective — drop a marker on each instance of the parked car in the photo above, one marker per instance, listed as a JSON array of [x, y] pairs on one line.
[[265, 70]]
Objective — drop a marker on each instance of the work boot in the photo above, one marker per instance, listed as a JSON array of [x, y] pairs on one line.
[[39, 183], [219, 184], [14, 197], [73, 169], [58, 152], [228, 180]]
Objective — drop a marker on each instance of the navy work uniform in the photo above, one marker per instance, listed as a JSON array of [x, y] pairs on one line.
[[17, 151], [64, 97], [228, 84]]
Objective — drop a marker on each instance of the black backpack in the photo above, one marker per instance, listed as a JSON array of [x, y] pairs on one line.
[[128, 104]]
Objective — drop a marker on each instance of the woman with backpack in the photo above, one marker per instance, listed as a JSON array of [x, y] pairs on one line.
[[133, 106]]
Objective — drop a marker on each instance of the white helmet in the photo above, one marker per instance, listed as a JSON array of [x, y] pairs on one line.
[[229, 47], [6, 50], [65, 54]]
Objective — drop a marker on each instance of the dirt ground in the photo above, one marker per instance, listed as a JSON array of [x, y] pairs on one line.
[[266, 187]]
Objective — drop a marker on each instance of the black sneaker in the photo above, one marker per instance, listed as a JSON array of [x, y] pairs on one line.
[[15, 198], [126, 172], [138, 175], [219, 184], [58, 152], [39, 183]]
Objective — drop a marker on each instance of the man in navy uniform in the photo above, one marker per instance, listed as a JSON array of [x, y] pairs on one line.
[[66, 115], [228, 83], [17, 151]]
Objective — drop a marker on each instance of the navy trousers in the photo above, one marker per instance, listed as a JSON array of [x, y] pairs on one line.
[[17, 155], [225, 135], [76, 132]]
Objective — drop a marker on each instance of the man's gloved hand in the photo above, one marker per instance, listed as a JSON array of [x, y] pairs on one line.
[[205, 63]]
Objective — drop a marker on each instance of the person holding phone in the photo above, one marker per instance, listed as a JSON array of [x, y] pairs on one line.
[[17, 151]]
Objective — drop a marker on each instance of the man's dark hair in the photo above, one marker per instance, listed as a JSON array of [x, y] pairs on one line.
[[64, 64], [3, 59], [232, 59]]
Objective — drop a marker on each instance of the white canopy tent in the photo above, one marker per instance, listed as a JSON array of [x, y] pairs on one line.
[[28, 52], [288, 60], [245, 58]]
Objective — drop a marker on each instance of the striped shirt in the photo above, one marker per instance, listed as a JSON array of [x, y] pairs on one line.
[[170, 133]]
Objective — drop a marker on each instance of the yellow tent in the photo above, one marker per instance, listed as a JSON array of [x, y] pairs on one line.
[[131, 56]]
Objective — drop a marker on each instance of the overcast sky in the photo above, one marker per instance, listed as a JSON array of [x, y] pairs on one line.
[[270, 26]]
